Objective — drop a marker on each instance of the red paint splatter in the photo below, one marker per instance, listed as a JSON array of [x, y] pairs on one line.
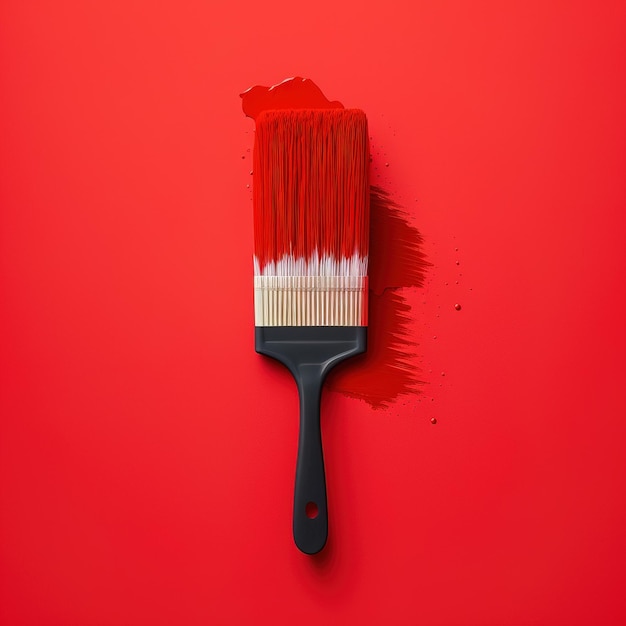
[[389, 367], [292, 93]]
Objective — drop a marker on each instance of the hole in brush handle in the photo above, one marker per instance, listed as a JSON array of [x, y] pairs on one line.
[[311, 510]]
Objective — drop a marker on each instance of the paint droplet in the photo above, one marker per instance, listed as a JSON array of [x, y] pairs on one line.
[[443, 373], [456, 249], [243, 156], [434, 336], [457, 262], [445, 283], [457, 307], [456, 282], [433, 420], [248, 186], [386, 164], [250, 172]]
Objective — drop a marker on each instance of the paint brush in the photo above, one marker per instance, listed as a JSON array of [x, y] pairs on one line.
[[311, 237]]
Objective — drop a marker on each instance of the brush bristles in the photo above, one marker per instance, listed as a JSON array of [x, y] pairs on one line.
[[311, 218]]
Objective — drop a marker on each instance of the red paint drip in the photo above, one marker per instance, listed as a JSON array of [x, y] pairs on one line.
[[292, 93], [389, 367]]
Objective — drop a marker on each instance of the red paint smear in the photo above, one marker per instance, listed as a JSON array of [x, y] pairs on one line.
[[292, 93], [396, 259], [389, 367]]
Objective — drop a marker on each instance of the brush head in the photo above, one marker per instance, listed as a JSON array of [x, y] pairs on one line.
[[311, 218]]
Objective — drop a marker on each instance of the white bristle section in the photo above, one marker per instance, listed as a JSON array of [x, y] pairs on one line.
[[315, 292]]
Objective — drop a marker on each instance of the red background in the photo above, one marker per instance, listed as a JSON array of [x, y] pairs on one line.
[[147, 453]]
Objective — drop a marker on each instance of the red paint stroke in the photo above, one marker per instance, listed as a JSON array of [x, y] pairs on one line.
[[389, 367], [396, 258], [292, 93]]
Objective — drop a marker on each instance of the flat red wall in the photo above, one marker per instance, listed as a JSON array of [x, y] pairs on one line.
[[147, 453]]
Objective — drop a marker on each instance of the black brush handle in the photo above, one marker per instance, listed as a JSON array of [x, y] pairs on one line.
[[310, 511], [310, 352]]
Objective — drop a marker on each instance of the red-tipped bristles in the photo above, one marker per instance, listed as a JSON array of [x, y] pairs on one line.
[[311, 187], [311, 217]]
